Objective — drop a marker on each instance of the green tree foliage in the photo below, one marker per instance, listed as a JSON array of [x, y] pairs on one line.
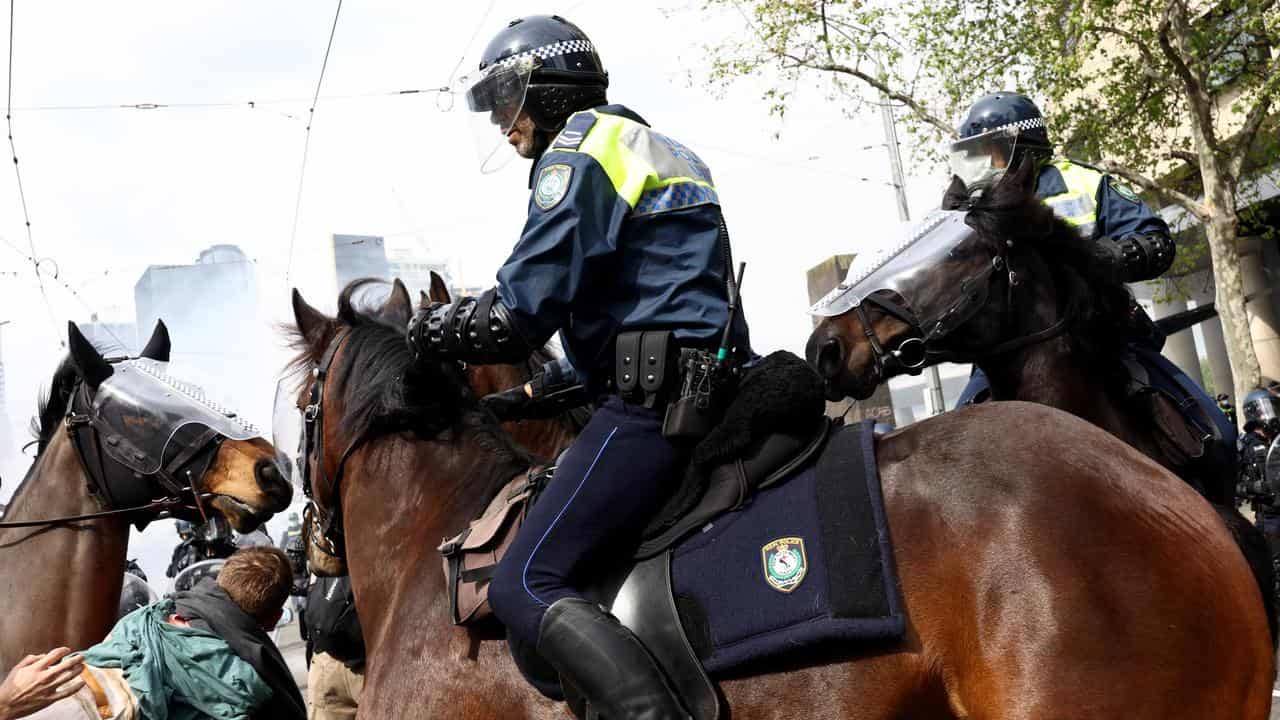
[[1174, 97]]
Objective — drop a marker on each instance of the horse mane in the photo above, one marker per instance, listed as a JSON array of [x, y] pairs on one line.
[[52, 404], [385, 391], [1091, 290]]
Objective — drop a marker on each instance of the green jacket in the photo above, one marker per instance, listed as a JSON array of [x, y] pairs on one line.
[[179, 673]]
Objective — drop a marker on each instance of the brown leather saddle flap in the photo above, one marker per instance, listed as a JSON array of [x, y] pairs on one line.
[[471, 557]]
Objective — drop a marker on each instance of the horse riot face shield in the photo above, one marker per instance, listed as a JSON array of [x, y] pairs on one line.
[[287, 431], [495, 96], [150, 419], [909, 280]]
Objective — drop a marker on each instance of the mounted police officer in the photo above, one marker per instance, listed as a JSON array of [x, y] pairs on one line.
[[1001, 130], [623, 241]]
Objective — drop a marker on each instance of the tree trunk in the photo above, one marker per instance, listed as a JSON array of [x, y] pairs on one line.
[[1221, 230]]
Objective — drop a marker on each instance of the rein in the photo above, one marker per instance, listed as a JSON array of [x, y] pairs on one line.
[[163, 505]]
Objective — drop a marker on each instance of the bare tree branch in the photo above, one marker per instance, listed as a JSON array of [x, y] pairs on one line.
[[1167, 194], [916, 107]]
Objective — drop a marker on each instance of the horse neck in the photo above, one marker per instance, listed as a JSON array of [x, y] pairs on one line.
[[1052, 372], [65, 580], [400, 499]]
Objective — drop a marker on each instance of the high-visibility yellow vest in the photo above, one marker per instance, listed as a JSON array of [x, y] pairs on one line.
[[649, 170], [1079, 204]]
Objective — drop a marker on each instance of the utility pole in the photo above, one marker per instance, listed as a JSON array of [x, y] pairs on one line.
[[933, 381]]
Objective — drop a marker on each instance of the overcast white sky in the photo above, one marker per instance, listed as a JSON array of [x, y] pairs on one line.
[[111, 191]]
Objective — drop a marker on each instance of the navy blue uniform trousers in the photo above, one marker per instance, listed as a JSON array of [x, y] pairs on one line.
[[605, 490]]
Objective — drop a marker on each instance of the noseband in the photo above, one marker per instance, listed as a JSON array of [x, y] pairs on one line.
[[914, 353], [121, 489]]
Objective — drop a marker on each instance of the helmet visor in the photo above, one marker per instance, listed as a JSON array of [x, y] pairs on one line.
[[980, 160], [495, 96]]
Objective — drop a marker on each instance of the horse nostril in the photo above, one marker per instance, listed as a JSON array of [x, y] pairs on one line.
[[271, 482], [830, 359]]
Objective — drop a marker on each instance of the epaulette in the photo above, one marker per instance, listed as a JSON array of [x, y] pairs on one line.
[[574, 132], [1082, 163]]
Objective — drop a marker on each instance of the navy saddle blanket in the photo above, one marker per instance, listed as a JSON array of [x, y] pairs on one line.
[[808, 561]]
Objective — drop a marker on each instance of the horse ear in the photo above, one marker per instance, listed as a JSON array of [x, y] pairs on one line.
[[92, 367], [311, 322], [158, 346], [398, 309], [439, 291]]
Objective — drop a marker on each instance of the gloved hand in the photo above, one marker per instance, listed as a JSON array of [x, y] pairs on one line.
[[510, 404], [416, 333], [957, 195]]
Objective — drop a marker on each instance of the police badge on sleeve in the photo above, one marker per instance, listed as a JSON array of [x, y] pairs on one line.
[[553, 183], [785, 564]]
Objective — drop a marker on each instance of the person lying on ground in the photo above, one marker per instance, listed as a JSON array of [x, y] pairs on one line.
[[200, 654]]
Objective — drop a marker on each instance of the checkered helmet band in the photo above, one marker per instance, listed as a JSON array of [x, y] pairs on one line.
[[555, 49]]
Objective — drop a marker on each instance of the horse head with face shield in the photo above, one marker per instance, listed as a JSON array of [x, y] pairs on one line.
[[121, 440]]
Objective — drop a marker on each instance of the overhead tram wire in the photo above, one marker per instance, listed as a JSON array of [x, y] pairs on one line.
[[57, 278], [251, 104], [306, 143], [22, 195]]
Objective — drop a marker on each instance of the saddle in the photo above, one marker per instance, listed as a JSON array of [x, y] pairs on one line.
[[774, 425]]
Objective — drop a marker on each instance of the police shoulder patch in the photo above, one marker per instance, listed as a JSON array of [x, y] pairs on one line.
[[1125, 192], [553, 184]]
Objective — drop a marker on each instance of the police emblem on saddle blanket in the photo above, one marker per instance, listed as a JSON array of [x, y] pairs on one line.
[[553, 183], [785, 564]]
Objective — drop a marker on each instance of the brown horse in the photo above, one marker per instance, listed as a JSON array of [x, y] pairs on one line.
[[60, 583], [1047, 568], [1045, 315]]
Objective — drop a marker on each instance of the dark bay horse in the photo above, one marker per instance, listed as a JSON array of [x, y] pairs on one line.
[[1047, 568], [60, 584], [1042, 311]]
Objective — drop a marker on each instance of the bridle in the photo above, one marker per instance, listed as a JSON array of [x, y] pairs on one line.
[[330, 539], [921, 347], [123, 490]]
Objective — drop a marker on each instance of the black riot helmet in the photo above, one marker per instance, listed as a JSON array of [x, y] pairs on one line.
[[996, 133], [542, 64], [1260, 407]]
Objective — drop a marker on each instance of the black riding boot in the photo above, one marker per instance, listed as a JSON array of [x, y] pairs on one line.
[[603, 660]]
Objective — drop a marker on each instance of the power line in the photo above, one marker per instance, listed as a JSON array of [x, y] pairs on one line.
[[22, 196], [306, 143], [57, 278], [251, 104]]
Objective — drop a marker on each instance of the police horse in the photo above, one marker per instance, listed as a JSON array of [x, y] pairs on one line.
[[1018, 292], [119, 442], [1045, 568]]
